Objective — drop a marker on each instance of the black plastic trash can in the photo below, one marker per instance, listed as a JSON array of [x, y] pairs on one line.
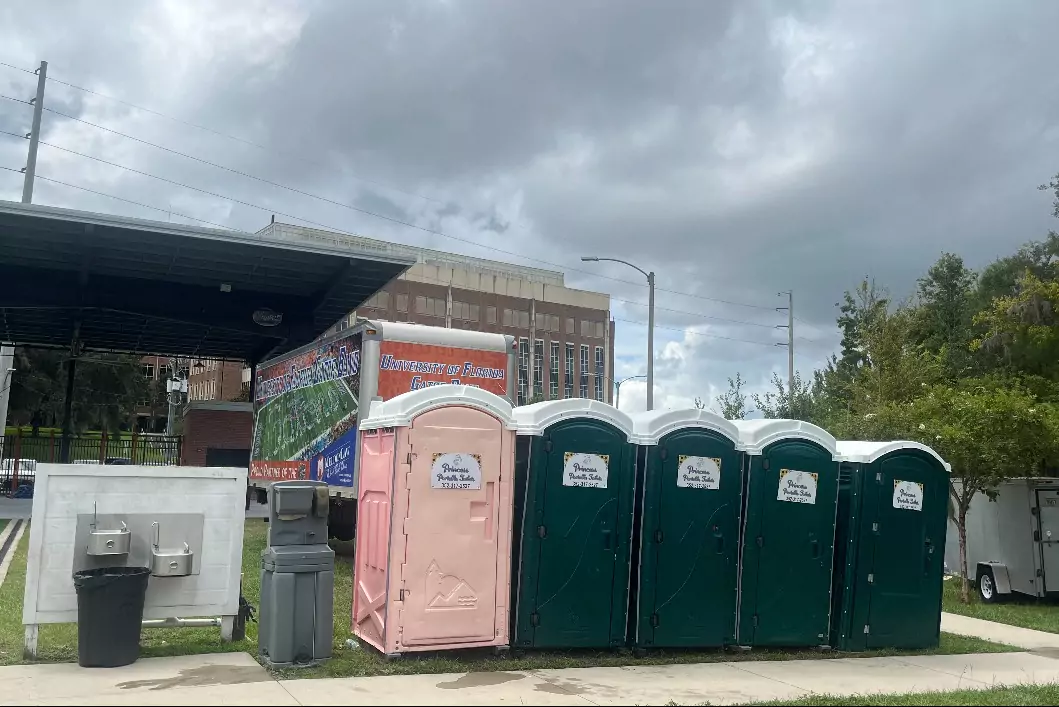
[[109, 615]]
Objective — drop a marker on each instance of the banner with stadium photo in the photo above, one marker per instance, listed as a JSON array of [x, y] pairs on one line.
[[306, 410]]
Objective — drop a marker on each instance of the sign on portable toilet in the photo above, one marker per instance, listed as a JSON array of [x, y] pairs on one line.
[[688, 530], [788, 534], [433, 562], [574, 503], [893, 510]]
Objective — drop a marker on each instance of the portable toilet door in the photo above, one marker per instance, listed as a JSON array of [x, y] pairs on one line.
[[575, 477], [688, 530], [433, 555], [788, 534], [892, 523]]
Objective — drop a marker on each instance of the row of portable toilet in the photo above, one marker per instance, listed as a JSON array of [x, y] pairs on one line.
[[568, 524]]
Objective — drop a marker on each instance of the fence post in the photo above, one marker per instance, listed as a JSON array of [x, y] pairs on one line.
[[14, 469], [103, 447], [133, 454], [51, 447]]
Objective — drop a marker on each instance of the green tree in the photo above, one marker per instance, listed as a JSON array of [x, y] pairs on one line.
[[107, 389], [1023, 328], [731, 405], [944, 313], [988, 429], [796, 401]]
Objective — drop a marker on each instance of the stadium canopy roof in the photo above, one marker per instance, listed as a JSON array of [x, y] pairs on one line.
[[112, 283]]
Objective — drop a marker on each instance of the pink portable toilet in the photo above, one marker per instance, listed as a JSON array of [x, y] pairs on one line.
[[433, 562]]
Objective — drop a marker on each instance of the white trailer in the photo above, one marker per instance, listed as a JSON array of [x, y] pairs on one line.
[[1013, 541], [306, 402]]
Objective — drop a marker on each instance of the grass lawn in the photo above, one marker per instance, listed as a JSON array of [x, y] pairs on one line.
[[58, 643], [1020, 695], [1016, 610]]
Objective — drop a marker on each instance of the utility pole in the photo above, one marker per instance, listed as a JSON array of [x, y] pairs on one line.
[[7, 352], [789, 326], [34, 137], [176, 387]]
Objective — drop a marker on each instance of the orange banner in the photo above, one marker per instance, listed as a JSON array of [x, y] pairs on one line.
[[406, 366], [279, 471]]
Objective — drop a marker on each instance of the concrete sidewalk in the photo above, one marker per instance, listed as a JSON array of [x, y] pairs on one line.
[[236, 679], [999, 633]]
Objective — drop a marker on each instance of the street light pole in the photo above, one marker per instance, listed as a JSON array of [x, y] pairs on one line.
[[650, 322], [617, 388]]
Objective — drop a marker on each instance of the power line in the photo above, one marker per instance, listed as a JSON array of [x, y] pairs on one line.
[[212, 131], [694, 314], [118, 198], [301, 192], [770, 344], [16, 100], [368, 212]]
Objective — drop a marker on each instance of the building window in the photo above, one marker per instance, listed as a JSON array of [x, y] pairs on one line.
[[599, 373], [523, 370], [553, 368], [553, 323], [148, 371], [464, 311], [516, 318], [583, 387], [592, 329], [379, 300], [402, 303], [538, 369], [568, 386], [569, 326], [430, 306], [490, 315]]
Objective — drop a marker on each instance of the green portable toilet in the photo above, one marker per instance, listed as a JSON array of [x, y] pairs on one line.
[[688, 530], [574, 482], [788, 534], [890, 546]]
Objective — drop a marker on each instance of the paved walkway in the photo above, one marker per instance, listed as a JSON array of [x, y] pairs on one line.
[[236, 679], [999, 633]]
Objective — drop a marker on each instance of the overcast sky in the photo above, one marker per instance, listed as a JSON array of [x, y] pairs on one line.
[[736, 148]]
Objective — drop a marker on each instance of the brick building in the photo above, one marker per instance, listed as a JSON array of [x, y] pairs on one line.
[[565, 336]]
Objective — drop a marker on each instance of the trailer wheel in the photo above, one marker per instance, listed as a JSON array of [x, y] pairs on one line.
[[987, 590]]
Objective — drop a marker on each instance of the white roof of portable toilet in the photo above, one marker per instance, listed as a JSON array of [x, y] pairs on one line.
[[867, 452], [755, 435], [534, 419], [399, 411], [650, 427]]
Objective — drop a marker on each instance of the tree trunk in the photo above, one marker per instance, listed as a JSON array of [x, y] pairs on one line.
[[961, 526]]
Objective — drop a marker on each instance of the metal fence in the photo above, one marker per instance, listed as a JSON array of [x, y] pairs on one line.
[[21, 451]]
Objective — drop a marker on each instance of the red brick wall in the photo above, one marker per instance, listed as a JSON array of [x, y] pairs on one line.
[[217, 425]]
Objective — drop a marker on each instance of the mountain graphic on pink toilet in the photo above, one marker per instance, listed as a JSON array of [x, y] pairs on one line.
[[447, 591]]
